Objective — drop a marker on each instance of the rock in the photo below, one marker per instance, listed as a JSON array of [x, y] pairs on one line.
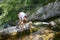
[[14, 30], [46, 13], [41, 38], [41, 23]]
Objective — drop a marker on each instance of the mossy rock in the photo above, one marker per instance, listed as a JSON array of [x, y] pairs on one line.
[[57, 36], [34, 29]]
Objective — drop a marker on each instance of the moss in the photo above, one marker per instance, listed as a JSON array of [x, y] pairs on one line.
[[35, 29], [26, 32], [57, 36]]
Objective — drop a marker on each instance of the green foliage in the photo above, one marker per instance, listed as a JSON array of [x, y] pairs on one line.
[[11, 8]]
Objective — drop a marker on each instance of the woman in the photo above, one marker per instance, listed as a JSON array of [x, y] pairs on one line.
[[22, 19]]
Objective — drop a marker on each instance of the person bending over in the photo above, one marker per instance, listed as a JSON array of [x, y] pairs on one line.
[[22, 19]]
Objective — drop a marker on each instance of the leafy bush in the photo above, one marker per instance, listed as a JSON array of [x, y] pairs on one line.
[[13, 7]]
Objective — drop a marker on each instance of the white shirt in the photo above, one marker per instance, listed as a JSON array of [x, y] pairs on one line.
[[21, 15]]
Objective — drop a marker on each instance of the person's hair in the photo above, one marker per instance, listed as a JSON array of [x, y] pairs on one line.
[[24, 21], [26, 16]]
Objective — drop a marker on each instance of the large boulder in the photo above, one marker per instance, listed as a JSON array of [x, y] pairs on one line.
[[51, 10]]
